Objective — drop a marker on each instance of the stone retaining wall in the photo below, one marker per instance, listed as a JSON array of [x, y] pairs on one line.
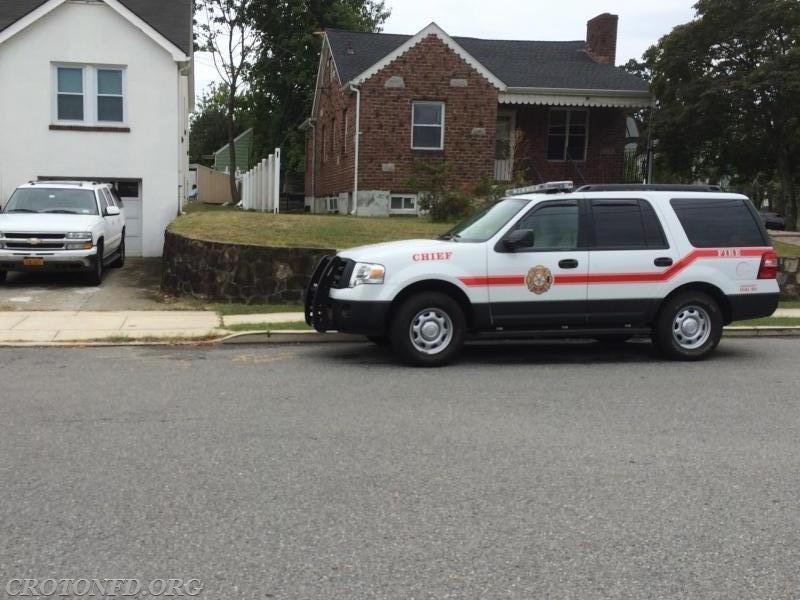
[[236, 273], [789, 278]]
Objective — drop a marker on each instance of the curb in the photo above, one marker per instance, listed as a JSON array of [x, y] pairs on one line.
[[314, 337]]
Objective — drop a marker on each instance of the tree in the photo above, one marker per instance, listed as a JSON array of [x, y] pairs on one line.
[[727, 86], [227, 33], [284, 74], [209, 124]]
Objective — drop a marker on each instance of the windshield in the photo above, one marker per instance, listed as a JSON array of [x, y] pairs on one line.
[[52, 200], [486, 223]]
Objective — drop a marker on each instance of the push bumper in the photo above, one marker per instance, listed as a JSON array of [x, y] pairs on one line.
[[324, 313], [752, 306], [55, 260]]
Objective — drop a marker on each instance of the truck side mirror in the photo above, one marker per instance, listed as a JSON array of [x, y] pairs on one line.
[[519, 238]]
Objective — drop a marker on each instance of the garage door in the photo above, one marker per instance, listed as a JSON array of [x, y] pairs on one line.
[[131, 194]]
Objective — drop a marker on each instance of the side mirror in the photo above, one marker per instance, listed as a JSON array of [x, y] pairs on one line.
[[111, 211], [519, 238]]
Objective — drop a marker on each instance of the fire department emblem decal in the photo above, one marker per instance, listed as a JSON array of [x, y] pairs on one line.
[[539, 279]]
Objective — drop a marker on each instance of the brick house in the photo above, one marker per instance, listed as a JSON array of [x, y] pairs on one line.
[[492, 109]]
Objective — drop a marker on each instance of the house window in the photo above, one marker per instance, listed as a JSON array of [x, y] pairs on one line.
[[403, 204], [69, 101], [344, 135], [427, 126], [568, 134], [89, 94], [333, 204], [109, 95]]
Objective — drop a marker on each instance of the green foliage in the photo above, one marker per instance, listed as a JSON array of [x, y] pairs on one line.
[[209, 125], [431, 179], [727, 86], [283, 76]]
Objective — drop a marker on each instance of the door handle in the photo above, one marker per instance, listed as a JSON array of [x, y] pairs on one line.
[[568, 263], [663, 261]]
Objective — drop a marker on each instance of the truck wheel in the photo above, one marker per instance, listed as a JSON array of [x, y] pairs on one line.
[[96, 274], [120, 260], [428, 330], [688, 327]]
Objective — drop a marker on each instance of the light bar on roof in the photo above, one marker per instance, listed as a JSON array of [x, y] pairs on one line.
[[551, 187]]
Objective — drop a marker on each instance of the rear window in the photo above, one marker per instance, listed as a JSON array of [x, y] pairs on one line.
[[719, 222]]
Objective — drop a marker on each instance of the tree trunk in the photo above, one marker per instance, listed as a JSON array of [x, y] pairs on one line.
[[788, 189], [232, 146]]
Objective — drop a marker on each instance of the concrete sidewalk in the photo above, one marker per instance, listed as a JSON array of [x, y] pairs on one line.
[[67, 326]]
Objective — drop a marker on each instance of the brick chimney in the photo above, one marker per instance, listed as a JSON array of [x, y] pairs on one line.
[[601, 38]]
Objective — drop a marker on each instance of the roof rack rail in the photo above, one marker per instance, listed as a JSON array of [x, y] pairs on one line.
[[551, 187], [648, 187]]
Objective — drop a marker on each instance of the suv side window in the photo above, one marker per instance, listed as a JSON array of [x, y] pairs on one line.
[[555, 225], [625, 224], [719, 222]]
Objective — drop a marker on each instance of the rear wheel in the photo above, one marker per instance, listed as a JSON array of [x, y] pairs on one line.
[[689, 326], [428, 330]]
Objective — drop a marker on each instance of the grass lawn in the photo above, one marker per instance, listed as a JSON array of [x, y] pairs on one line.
[[299, 230], [294, 326], [227, 310], [769, 322], [784, 249]]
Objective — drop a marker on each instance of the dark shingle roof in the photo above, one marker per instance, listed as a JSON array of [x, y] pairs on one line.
[[562, 65], [171, 18]]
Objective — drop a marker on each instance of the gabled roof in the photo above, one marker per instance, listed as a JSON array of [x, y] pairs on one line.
[[518, 64], [170, 18]]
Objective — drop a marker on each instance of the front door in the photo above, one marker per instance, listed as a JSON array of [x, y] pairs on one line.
[[543, 285], [504, 146]]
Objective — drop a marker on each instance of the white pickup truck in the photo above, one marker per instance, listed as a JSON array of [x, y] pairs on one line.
[[62, 226]]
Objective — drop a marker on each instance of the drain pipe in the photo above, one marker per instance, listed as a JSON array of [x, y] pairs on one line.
[[357, 144]]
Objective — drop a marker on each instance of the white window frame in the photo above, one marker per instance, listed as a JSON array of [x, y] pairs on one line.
[[404, 211], [440, 126], [332, 204], [90, 95], [569, 112]]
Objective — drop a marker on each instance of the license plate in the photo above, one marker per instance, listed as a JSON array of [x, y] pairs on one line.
[[33, 262]]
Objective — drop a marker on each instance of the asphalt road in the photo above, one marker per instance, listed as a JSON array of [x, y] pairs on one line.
[[327, 472]]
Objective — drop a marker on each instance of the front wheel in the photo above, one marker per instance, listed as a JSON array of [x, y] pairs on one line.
[[428, 330], [95, 276], [120, 260], [688, 327]]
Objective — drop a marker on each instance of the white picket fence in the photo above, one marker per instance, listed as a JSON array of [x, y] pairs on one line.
[[260, 186]]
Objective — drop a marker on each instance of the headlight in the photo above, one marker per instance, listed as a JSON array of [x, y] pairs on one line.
[[81, 235], [80, 246], [367, 273]]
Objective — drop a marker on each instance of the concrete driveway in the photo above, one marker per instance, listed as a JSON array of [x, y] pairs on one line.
[[134, 287]]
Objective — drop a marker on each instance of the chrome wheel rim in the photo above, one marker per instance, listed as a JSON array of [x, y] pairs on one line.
[[431, 331], [691, 327]]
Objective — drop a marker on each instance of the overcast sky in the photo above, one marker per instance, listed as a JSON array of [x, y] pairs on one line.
[[641, 22]]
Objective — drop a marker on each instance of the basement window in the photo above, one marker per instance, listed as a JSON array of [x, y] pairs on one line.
[[403, 204], [427, 124]]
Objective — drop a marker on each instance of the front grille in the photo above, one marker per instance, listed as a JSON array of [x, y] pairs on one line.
[[35, 241]]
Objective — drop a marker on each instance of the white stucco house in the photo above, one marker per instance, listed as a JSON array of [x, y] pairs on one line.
[[100, 90]]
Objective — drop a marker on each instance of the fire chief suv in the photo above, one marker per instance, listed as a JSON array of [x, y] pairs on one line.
[[675, 263], [62, 226]]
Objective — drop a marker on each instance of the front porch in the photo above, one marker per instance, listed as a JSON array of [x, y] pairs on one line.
[[536, 143]]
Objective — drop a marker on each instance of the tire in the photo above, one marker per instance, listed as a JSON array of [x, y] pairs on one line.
[[445, 331], [119, 262], [95, 276], [688, 326], [379, 340]]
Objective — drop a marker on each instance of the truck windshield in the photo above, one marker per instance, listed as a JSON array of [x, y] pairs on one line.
[[52, 200], [487, 222]]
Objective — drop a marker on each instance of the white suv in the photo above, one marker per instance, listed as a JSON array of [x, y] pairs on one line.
[[62, 225], [607, 262]]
